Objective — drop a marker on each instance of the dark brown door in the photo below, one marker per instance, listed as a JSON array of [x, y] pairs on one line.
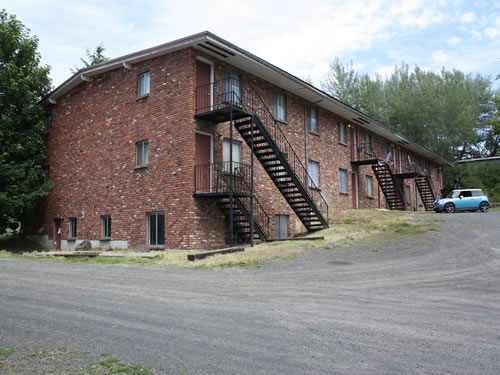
[[204, 88], [57, 234], [202, 160]]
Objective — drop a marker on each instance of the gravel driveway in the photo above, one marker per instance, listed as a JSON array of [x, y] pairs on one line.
[[428, 303]]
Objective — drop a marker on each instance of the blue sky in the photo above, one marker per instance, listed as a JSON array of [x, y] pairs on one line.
[[301, 37]]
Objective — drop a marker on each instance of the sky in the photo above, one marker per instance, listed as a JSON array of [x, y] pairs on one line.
[[301, 37]]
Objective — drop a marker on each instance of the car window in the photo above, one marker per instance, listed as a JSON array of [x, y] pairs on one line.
[[465, 194], [477, 193]]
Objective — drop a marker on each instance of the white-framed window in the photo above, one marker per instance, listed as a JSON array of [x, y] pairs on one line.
[[311, 119], [231, 87], [313, 171], [106, 226], [281, 226], [279, 106], [48, 122], [143, 84], [156, 228], [343, 180], [142, 153], [226, 153], [72, 227], [369, 186], [342, 131], [368, 143]]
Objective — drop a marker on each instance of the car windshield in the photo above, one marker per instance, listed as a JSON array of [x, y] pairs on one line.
[[453, 194]]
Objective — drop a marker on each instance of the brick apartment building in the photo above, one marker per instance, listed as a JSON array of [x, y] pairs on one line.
[[154, 150]]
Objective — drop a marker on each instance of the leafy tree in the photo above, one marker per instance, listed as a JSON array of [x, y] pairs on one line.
[[482, 177], [23, 82], [93, 58], [448, 112]]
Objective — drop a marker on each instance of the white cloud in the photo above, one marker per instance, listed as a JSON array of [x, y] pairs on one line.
[[440, 57], [454, 40], [468, 17], [385, 70], [491, 32], [476, 34]]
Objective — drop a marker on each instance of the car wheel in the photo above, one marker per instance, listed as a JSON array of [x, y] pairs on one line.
[[484, 206], [449, 208]]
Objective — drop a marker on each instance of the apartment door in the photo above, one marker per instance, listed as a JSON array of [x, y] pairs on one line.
[[204, 89], [203, 157], [57, 234], [354, 144], [281, 226], [354, 190]]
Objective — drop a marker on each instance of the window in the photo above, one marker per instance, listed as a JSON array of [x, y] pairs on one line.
[[142, 153], [311, 120], [48, 122], [231, 87], [369, 186], [465, 194], [407, 193], [106, 226], [143, 84], [156, 228], [368, 142], [72, 227], [342, 132], [226, 153], [281, 226], [342, 180], [386, 150], [313, 171], [279, 109], [45, 175]]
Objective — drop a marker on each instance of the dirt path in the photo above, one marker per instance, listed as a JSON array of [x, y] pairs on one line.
[[422, 304]]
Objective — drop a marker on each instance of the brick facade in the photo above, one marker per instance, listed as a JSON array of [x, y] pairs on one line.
[[91, 155]]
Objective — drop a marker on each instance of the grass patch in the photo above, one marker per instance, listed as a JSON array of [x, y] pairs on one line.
[[495, 209], [62, 361], [6, 352], [347, 227]]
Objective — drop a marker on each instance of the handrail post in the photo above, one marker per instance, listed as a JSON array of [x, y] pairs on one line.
[[251, 182]]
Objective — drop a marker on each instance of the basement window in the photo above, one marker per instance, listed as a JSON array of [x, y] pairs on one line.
[[106, 226], [156, 228], [143, 84], [72, 228]]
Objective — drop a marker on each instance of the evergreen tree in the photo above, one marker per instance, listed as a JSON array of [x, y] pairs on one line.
[[23, 82]]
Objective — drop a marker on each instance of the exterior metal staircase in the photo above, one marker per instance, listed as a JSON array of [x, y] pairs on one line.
[[424, 187], [255, 123], [389, 186], [242, 219]]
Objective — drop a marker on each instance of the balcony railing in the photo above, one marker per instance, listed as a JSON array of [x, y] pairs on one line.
[[361, 152], [215, 178], [230, 91], [222, 178]]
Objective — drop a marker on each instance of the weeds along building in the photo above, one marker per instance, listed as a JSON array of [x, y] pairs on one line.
[[197, 143]]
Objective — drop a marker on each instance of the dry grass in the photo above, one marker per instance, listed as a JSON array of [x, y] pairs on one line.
[[347, 227]]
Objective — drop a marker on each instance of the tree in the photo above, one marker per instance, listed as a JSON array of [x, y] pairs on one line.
[[447, 112], [93, 58], [23, 82]]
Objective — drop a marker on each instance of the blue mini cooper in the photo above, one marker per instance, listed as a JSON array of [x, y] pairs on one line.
[[463, 200]]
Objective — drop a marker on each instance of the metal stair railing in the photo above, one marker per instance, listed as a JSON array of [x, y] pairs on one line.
[[231, 92]]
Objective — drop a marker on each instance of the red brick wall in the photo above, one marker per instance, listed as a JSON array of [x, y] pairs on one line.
[[92, 157]]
